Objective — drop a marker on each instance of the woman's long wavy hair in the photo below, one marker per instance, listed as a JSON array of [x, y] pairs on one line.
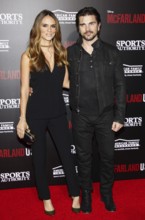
[[37, 59]]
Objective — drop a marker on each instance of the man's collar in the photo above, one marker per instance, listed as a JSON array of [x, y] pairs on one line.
[[96, 44]]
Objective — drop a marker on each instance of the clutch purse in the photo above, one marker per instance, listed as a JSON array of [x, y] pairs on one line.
[[29, 137]]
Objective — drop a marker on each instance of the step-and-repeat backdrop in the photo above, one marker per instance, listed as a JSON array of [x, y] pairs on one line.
[[123, 25]]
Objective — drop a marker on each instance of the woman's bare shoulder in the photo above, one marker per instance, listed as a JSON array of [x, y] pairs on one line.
[[24, 57]]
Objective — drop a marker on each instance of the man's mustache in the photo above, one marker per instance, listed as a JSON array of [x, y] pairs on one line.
[[88, 32]]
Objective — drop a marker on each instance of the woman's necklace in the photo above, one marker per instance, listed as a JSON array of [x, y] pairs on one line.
[[45, 45], [49, 51]]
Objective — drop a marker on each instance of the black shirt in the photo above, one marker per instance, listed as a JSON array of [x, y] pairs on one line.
[[88, 102]]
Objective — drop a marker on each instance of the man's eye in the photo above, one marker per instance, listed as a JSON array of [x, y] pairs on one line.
[[92, 23]]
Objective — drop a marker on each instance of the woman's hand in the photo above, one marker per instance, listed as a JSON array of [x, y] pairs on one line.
[[21, 127], [24, 95], [30, 91]]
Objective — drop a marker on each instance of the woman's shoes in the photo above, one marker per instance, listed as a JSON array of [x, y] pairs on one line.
[[76, 204], [76, 210], [52, 212], [48, 205]]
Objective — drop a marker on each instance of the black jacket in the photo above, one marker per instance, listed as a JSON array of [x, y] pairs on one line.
[[110, 81]]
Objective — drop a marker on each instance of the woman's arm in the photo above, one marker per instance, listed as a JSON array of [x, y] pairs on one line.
[[66, 82], [25, 73]]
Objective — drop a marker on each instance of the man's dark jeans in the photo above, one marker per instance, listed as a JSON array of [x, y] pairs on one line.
[[84, 128]]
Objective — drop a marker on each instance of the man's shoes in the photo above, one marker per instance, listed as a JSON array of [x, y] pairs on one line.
[[86, 204], [109, 203]]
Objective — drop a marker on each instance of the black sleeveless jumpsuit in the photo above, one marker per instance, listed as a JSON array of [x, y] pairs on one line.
[[46, 110]]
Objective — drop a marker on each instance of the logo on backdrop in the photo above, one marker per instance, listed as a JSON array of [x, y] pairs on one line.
[[70, 124], [66, 99], [15, 176], [65, 17], [132, 70], [73, 149], [15, 152], [135, 98], [28, 152], [9, 103], [123, 144], [11, 18], [133, 122], [58, 172], [125, 18], [129, 168], [7, 127], [9, 75], [4, 45], [130, 44]]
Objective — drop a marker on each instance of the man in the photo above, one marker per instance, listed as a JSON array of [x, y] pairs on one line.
[[97, 100]]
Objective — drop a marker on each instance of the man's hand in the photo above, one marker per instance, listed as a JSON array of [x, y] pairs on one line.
[[116, 126]]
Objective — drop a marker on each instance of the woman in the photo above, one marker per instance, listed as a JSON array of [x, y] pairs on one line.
[[44, 64]]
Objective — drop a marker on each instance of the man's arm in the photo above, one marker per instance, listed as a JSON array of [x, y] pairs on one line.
[[119, 92], [116, 126]]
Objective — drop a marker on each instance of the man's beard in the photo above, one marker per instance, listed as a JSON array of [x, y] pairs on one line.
[[89, 39]]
